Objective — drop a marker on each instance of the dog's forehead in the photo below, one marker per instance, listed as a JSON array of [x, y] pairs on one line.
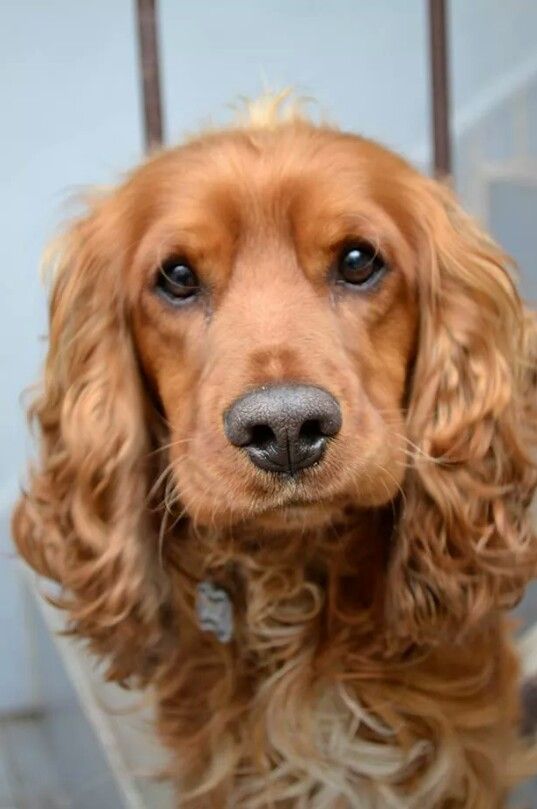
[[247, 174]]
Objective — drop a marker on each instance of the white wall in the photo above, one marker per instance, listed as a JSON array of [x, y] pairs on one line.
[[364, 62], [70, 116], [489, 40]]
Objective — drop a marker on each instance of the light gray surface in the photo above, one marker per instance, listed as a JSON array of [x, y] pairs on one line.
[[513, 218], [32, 777], [51, 759], [101, 735]]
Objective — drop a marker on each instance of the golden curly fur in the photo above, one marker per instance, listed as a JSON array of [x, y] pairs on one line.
[[370, 665]]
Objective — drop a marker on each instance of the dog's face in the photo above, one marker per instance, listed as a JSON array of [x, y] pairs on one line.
[[273, 299]]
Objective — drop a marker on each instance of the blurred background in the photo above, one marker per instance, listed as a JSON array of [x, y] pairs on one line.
[[72, 115]]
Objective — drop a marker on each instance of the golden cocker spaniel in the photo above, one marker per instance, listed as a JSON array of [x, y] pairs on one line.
[[288, 422]]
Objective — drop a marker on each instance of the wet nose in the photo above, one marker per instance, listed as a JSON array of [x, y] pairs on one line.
[[283, 428]]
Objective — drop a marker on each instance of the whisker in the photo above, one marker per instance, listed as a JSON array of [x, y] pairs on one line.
[[158, 482], [165, 447]]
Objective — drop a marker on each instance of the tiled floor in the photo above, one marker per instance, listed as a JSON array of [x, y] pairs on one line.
[[56, 759], [51, 759], [39, 770], [28, 774]]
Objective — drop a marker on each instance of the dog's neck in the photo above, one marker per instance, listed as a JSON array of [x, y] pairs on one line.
[[314, 583]]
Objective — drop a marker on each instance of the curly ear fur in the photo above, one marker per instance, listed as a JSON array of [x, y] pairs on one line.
[[466, 543], [83, 518]]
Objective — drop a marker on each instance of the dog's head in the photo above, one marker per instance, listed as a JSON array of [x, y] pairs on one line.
[[276, 323], [274, 309]]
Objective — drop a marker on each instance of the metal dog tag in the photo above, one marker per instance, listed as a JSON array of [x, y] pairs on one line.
[[214, 610]]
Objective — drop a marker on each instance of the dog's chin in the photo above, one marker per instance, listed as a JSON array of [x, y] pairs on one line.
[[296, 516], [297, 511]]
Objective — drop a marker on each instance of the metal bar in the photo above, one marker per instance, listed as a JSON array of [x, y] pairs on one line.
[[148, 54], [440, 97]]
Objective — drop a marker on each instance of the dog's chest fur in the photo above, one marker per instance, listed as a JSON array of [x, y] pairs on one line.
[[281, 717]]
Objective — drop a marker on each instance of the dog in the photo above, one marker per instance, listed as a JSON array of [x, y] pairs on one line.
[[287, 430]]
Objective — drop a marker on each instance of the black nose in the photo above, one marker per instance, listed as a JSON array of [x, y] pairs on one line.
[[283, 428]]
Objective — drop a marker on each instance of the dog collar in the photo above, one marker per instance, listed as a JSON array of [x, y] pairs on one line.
[[214, 611]]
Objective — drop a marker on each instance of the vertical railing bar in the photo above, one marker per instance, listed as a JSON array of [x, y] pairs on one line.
[[440, 86], [148, 53]]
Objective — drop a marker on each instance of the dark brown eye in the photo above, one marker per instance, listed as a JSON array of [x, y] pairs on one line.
[[176, 281], [360, 265]]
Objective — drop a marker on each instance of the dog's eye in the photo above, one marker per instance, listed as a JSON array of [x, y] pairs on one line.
[[176, 281], [361, 266]]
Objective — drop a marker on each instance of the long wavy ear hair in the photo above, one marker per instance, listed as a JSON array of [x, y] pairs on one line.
[[466, 544], [83, 520]]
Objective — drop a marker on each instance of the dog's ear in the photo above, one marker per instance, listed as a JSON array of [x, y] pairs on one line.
[[465, 543], [83, 520]]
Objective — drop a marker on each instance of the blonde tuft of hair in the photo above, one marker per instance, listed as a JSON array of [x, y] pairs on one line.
[[271, 109]]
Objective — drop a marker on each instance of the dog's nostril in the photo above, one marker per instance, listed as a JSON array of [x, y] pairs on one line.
[[311, 430], [261, 435], [283, 428]]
